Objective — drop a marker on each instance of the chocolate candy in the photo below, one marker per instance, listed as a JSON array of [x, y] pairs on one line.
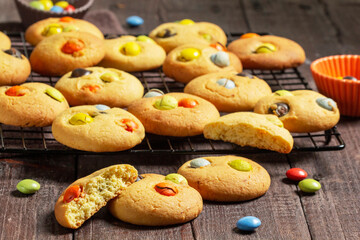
[[37, 5], [249, 35], [166, 189], [79, 72], [16, 91], [199, 162], [176, 178], [72, 46], [52, 29], [187, 22], [70, 8], [80, 119], [48, 4], [279, 109], [220, 59], [102, 107], [227, 83], [167, 102], [143, 38], [265, 48], [187, 103], [245, 74], [28, 186], [110, 77], [153, 93], [189, 54], [13, 52], [62, 4], [240, 165], [309, 185], [66, 19], [134, 21], [296, 174], [326, 103], [283, 93], [350, 78], [248, 223], [130, 49], [166, 33], [56, 9], [72, 193], [55, 94]]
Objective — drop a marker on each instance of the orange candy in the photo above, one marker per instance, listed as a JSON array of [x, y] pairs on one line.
[[166, 189], [218, 46], [130, 125], [92, 88], [72, 193], [187, 103], [16, 91], [249, 35], [66, 19], [72, 46]]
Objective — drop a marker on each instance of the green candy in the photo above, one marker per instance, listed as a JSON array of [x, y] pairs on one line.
[[167, 102], [28, 186], [283, 93], [240, 165], [55, 94], [176, 178], [71, 28], [143, 38], [189, 54], [80, 119], [309, 185], [37, 5], [266, 48], [110, 77], [207, 37]]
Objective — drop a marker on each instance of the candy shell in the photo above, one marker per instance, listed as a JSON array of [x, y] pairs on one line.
[[70, 8], [48, 4], [110, 77], [37, 5], [167, 102], [227, 83], [78, 72], [80, 119], [56, 9], [240, 165], [249, 35], [296, 174], [55, 94], [199, 162], [134, 21], [350, 78], [189, 54], [220, 59], [266, 48], [176, 178], [245, 74], [13, 52], [143, 38], [130, 49], [62, 4], [309, 185], [102, 107], [187, 22], [187, 103], [153, 93], [248, 223], [28, 186], [326, 103], [283, 93]]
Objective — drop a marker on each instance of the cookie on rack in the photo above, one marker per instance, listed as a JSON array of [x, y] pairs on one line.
[[97, 85], [30, 105], [133, 54], [15, 67], [174, 34], [51, 26], [301, 111], [189, 61], [262, 131], [5, 42], [229, 91], [174, 114], [267, 52], [62, 53], [84, 197], [98, 128], [156, 200], [226, 178]]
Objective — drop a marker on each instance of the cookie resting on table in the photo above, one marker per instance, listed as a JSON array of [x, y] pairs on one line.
[[133, 54], [229, 91], [267, 52], [156, 200], [30, 105], [301, 111], [226, 178], [251, 129], [62, 53], [97, 85], [15, 67], [98, 128], [174, 114], [174, 34], [84, 197], [52, 26], [189, 61], [5, 42]]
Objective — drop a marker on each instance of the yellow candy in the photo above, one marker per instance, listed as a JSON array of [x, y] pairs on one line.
[[131, 49], [62, 4], [143, 38], [207, 37], [80, 119], [110, 77], [52, 29], [266, 48], [55, 94], [283, 93], [189, 54], [48, 4], [187, 22], [167, 102], [240, 165], [71, 28]]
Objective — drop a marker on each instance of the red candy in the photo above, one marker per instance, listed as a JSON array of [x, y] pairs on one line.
[[129, 125], [66, 19], [73, 45], [296, 174], [16, 91], [91, 88], [166, 189], [72, 193], [218, 46], [187, 103], [70, 8]]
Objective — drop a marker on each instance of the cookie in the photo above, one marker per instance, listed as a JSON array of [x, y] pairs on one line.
[[15, 67], [174, 34], [301, 111], [97, 85], [174, 114], [268, 52], [133, 54], [30, 105], [251, 129], [189, 61], [51, 26], [156, 201], [226, 178], [5, 42], [62, 53], [229, 91], [84, 197], [98, 129]]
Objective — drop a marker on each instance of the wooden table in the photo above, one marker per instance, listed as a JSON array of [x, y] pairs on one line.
[[322, 28]]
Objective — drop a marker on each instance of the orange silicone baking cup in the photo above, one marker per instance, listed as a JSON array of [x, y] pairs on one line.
[[346, 93]]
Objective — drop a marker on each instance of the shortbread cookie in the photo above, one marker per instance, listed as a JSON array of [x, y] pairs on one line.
[[174, 114], [174, 34], [30, 105], [98, 128], [301, 110], [226, 178], [156, 201], [51, 26], [229, 91], [5, 42], [189, 61], [251, 129], [84, 197], [15, 67], [268, 52], [133, 54], [97, 85], [62, 53]]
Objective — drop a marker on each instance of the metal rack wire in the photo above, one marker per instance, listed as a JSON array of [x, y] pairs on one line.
[[40, 140]]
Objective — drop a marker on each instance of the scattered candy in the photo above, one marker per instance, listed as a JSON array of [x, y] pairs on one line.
[[28, 186], [283, 93], [56, 9], [72, 193], [153, 93], [266, 48], [102, 107], [13, 52], [55, 94], [296, 174], [129, 125], [110, 77], [79, 72], [309, 185], [218, 46], [48, 4], [166, 189], [134, 21], [240, 165], [72, 46], [248, 223], [16, 91], [199, 162], [220, 59], [189, 54], [37, 5], [143, 38], [130, 49], [167, 102], [187, 103], [187, 22], [245, 74], [249, 35], [176, 178], [80, 119], [166, 33], [326, 103], [227, 83], [279, 109]]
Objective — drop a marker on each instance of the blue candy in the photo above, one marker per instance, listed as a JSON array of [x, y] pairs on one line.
[[227, 83], [101, 107], [56, 9], [199, 162], [248, 223], [326, 103], [134, 21], [153, 93], [220, 59]]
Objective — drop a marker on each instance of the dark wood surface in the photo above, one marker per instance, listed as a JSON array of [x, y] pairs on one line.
[[322, 28]]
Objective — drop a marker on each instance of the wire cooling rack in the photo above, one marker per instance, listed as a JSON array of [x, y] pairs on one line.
[[40, 140]]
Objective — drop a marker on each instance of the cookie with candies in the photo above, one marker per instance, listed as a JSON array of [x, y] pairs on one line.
[[301, 110], [157, 200], [5, 42], [15, 67]]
